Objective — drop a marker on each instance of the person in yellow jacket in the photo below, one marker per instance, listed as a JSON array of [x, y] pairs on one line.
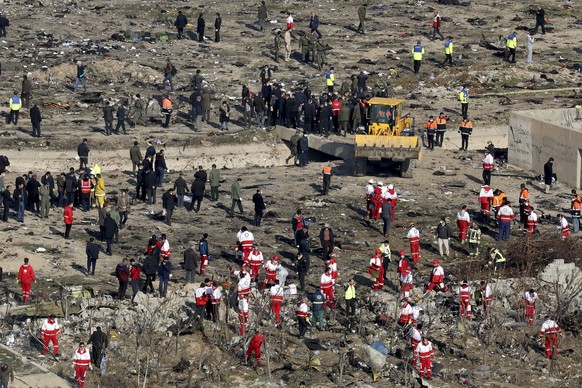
[[15, 105], [417, 53], [464, 100], [100, 190], [511, 45], [167, 110], [330, 80], [449, 51]]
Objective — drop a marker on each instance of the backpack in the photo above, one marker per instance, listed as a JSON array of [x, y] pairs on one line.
[[174, 70], [328, 74]]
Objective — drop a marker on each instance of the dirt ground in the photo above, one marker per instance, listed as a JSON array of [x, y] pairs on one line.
[[118, 69]]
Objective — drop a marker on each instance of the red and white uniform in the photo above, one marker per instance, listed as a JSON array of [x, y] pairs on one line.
[[505, 214], [437, 278], [200, 295], [326, 283], [415, 314], [244, 283], [406, 313], [406, 283], [464, 292], [415, 339], [82, 360], [216, 295], [414, 240], [403, 265], [255, 262], [377, 202], [255, 346], [393, 198], [165, 250], [25, 277], [376, 267], [532, 223], [243, 314], [276, 292], [271, 268], [550, 330], [424, 354], [289, 22], [369, 195], [485, 199], [488, 163], [564, 227], [530, 306], [487, 295], [332, 265], [49, 333], [245, 243], [302, 310], [463, 221]]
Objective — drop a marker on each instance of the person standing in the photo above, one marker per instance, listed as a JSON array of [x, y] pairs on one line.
[[122, 273], [168, 203], [235, 193], [576, 204], [302, 313], [26, 90], [259, 207], [424, 355], [548, 174], [200, 25], [511, 45], [161, 168], [540, 21], [81, 77], [50, 332], [326, 239], [100, 342], [362, 18], [262, 16], [15, 104], [121, 118], [330, 80], [167, 110], [387, 217], [214, 179], [436, 26], [465, 129], [110, 229], [108, 117], [326, 173], [180, 23], [464, 100], [417, 53], [6, 202], [25, 277], [550, 332], [135, 156], [217, 26], [169, 72], [190, 260], [204, 255], [278, 42], [164, 273], [488, 164], [350, 297], [287, 40], [68, 219], [35, 120], [318, 308], [180, 188], [83, 153], [138, 113], [92, 251], [448, 51], [4, 22], [224, 117], [81, 361], [431, 129], [529, 299], [6, 372], [20, 198], [45, 200], [206, 105], [303, 150], [314, 24], [529, 43], [505, 216]]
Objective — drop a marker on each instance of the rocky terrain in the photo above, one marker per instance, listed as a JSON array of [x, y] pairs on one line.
[[155, 342]]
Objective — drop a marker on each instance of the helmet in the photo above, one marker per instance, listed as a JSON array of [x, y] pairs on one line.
[[390, 187], [371, 181], [435, 261]]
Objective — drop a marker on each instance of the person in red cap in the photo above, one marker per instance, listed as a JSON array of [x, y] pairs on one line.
[[25, 277], [376, 269], [271, 268], [332, 264], [437, 278], [403, 263]]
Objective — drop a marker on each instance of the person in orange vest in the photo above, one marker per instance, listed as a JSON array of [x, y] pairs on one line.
[[487, 168], [326, 178], [465, 129], [431, 129], [86, 185], [523, 198], [498, 198], [441, 122], [81, 361], [25, 276], [167, 110], [575, 211], [255, 347], [550, 330]]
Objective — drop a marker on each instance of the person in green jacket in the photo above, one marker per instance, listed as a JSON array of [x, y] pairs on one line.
[[135, 155], [116, 216], [344, 119], [235, 193], [362, 17], [45, 200], [277, 45], [293, 147], [214, 179]]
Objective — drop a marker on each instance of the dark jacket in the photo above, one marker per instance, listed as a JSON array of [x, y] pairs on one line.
[[317, 300], [6, 199], [180, 186], [150, 180], [181, 21], [122, 272], [71, 182], [92, 250], [443, 231], [160, 162], [150, 265], [218, 23], [121, 113], [259, 203], [32, 187], [83, 150], [35, 117], [168, 201], [190, 259], [201, 175], [164, 270], [109, 228], [548, 172], [108, 113], [314, 22], [20, 195], [50, 181], [198, 188], [98, 339], [200, 25], [330, 235], [151, 150], [387, 211], [303, 144]]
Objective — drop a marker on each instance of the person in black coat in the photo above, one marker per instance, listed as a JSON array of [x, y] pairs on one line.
[[303, 149], [540, 21], [197, 189], [4, 22], [181, 188], [140, 190], [121, 118], [110, 227], [303, 244], [150, 269], [161, 167], [92, 251], [33, 197], [169, 203], [191, 259], [180, 23], [302, 267], [386, 217], [150, 181], [6, 202], [308, 115], [259, 207], [35, 119], [217, 26], [549, 174], [200, 27]]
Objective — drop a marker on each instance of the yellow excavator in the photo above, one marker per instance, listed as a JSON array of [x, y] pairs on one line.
[[390, 136]]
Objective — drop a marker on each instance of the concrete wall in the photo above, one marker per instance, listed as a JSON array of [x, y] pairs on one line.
[[535, 136]]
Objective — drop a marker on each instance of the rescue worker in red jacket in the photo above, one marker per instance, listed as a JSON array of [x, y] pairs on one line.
[[415, 339], [464, 293], [271, 268], [437, 278], [255, 347], [326, 284], [529, 299], [564, 226], [276, 297], [532, 221], [414, 240], [377, 202], [25, 277], [81, 361], [51, 332], [405, 313], [255, 261], [485, 199], [425, 354], [376, 269], [550, 330], [392, 196]]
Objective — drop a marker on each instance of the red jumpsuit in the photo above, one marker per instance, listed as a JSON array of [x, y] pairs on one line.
[[393, 198], [530, 306], [376, 267], [81, 360], [414, 240], [326, 285], [550, 330], [377, 202], [49, 333], [464, 292], [255, 347], [255, 262], [463, 221], [243, 315], [26, 276], [276, 301], [424, 353], [271, 272], [437, 278]]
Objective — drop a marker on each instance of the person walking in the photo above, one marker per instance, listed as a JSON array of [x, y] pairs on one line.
[[81, 361], [362, 18], [529, 43], [135, 156], [164, 273], [25, 277], [25, 92], [168, 203], [35, 120], [259, 207], [110, 229], [200, 25], [100, 342], [108, 117], [15, 104], [68, 219], [540, 21], [548, 174], [180, 23], [417, 53], [235, 193], [190, 263], [303, 150], [169, 72], [326, 173], [121, 118], [436, 26], [81, 77], [464, 100], [83, 151], [262, 16], [302, 313], [4, 22], [92, 250], [122, 273], [511, 45]]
